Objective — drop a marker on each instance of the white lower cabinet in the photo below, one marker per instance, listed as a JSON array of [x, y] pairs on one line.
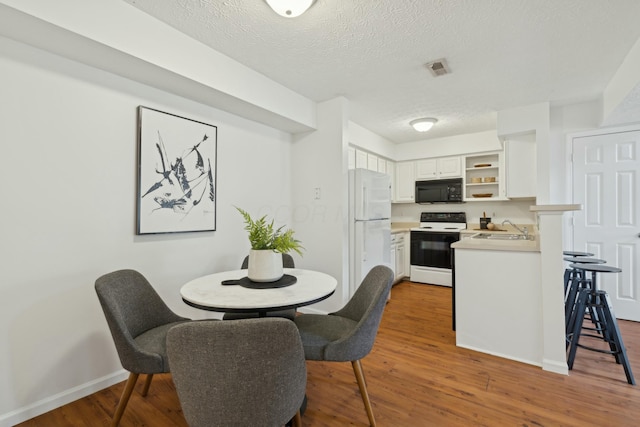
[[398, 256], [407, 254], [401, 254]]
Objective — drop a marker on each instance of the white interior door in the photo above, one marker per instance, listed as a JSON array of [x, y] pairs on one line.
[[606, 181]]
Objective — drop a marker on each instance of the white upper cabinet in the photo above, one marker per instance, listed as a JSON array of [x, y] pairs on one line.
[[426, 169], [362, 159], [520, 166], [351, 158], [372, 162], [405, 183], [382, 165], [391, 171], [443, 167], [449, 167]]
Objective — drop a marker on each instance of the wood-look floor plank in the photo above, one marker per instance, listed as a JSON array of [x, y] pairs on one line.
[[416, 376]]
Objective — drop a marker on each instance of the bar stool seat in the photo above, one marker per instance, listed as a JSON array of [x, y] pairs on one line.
[[574, 253], [593, 300], [584, 260], [572, 273]]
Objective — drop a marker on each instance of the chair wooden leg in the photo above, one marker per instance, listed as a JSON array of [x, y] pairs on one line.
[[124, 399], [147, 384], [297, 419], [357, 369]]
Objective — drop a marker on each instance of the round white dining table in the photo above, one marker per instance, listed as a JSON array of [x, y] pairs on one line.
[[208, 292]]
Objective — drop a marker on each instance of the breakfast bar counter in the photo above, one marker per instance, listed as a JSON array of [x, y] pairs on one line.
[[498, 298]]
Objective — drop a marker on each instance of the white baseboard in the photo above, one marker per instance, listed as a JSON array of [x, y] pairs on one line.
[[504, 356], [45, 405], [559, 367]]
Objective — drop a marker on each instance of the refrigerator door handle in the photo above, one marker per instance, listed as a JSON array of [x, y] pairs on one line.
[[365, 201], [364, 247]]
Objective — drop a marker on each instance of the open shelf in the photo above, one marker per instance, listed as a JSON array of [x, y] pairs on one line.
[[478, 168]]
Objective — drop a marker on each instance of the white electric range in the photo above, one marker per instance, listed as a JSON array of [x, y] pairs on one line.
[[431, 254]]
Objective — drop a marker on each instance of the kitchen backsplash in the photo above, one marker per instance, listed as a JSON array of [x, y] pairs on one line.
[[516, 211]]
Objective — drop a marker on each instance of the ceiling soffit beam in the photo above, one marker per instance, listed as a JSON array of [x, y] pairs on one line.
[[255, 97]]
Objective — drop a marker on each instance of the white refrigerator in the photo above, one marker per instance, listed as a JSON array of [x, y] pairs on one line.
[[369, 224]]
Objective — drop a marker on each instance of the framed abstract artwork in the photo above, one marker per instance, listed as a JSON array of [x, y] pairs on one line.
[[176, 174]]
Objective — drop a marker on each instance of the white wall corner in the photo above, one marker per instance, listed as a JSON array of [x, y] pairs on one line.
[[524, 119], [551, 266], [370, 141], [625, 84], [555, 366], [319, 160]]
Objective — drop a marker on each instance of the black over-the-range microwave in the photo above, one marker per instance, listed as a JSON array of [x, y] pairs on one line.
[[439, 191]]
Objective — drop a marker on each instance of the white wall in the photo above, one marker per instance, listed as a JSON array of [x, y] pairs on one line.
[[516, 210], [620, 97], [565, 120], [116, 37], [370, 141], [319, 160], [68, 216], [449, 146]]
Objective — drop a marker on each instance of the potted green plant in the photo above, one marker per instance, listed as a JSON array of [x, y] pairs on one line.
[[268, 243]]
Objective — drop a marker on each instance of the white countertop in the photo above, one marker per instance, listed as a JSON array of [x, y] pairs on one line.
[[467, 242], [402, 227], [555, 208]]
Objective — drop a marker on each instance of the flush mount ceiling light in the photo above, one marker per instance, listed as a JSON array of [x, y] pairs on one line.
[[423, 125], [290, 8]]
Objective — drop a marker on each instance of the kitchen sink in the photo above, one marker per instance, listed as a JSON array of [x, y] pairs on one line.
[[496, 236]]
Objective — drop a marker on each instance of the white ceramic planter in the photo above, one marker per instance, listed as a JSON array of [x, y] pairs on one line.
[[265, 266]]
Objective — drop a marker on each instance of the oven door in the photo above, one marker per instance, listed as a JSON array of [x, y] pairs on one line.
[[433, 248]]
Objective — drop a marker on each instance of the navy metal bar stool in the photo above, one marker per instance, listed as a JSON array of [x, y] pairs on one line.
[[592, 300], [574, 280]]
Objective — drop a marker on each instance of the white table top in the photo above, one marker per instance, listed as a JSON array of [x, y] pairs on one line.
[[208, 293]]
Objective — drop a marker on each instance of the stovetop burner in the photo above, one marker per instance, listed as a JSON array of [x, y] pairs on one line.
[[442, 221]]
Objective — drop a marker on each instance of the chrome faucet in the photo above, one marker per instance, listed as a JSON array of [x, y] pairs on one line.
[[524, 232]]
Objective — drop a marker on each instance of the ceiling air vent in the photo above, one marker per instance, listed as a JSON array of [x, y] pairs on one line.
[[438, 67]]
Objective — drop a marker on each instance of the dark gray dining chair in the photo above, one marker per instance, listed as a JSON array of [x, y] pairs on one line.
[[247, 372], [349, 334], [138, 320], [287, 262]]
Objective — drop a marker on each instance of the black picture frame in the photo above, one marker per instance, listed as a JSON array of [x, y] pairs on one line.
[[177, 182]]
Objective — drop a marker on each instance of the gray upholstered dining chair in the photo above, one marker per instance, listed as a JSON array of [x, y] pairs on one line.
[[349, 334], [138, 320], [287, 262], [246, 372]]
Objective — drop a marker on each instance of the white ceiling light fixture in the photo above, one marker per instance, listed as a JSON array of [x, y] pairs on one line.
[[423, 125], [290, 8]]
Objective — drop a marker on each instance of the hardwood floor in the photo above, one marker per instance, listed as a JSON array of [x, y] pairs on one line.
[[416, 376]]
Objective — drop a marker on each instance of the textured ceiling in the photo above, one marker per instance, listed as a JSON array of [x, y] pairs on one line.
[[502, 53]]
